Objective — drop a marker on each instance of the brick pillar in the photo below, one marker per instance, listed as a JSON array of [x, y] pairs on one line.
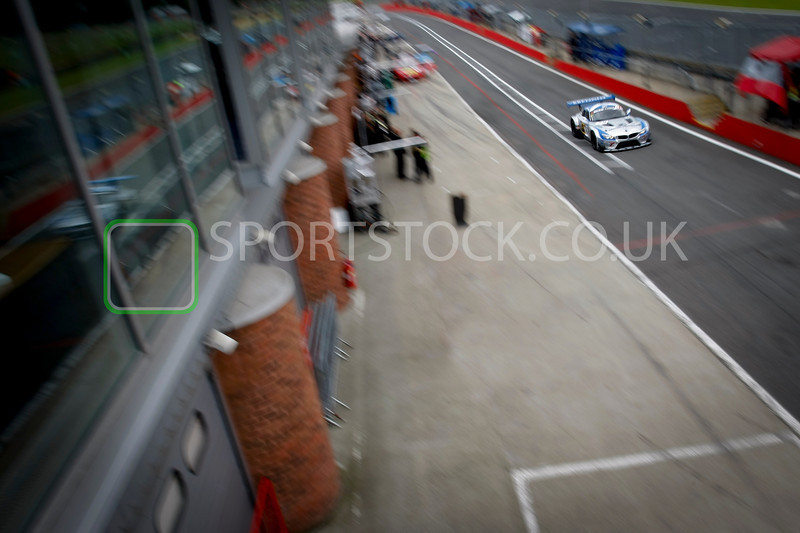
[[346, 82], [273, 401], [328, 145], [340, 105], [307, 204]]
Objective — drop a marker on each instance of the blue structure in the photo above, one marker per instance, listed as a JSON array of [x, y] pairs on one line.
[[590, 42]]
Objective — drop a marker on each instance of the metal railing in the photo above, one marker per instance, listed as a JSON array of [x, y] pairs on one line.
[[326, 351]]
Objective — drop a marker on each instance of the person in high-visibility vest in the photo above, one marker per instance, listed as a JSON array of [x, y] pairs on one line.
[[422, 156]]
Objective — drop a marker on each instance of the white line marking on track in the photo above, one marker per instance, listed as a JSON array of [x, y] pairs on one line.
[[461, 54], [650, 458], [732, 210], [620, 161], [510, 179], [792, 194], [525, 501], [666, 121], [704, 337], [522, 477]]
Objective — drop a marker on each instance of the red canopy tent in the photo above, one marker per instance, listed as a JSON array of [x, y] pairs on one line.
[[784, 49], [765, 71]]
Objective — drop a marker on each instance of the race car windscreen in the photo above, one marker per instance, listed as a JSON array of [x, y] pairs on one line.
[[607, 114]]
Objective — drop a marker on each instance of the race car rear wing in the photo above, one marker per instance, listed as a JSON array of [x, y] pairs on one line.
[[593, 100]]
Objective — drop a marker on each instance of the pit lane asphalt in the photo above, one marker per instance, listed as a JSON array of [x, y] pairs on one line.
[[740, 281]]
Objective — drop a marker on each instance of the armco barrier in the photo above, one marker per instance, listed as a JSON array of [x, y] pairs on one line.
[[763, 139], [657, 102]]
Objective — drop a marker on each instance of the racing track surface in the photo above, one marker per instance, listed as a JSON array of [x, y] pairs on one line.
[[666, 10], [740, 282]]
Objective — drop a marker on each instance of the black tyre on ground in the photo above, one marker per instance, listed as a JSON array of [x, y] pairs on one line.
[[575, 131], [595, 144]]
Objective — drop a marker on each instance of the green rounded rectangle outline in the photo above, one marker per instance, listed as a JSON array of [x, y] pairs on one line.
[[150, 222]]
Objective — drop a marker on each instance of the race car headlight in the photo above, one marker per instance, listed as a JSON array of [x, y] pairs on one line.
[[605, 136]]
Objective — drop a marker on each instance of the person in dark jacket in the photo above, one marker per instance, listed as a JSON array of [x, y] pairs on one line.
[[399, 153]]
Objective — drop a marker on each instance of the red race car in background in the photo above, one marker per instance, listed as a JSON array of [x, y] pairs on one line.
[[413, 67]]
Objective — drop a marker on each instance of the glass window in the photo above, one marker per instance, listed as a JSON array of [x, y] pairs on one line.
[[67, 352], [193, 106], [324, 33], [98, 60], [332, 44], [170, 505], [306, 32], [284, 73], [258, 26], [194, 442]]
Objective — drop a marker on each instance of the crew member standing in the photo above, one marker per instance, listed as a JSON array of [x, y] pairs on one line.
[[421, 157], [399, 153]]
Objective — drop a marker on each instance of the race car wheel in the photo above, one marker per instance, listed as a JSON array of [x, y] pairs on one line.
[[575, 131], [595, 144]]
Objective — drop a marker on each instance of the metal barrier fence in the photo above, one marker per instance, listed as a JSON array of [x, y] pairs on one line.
[[323, 344]]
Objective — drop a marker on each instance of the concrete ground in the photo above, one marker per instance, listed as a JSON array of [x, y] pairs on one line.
[[499, 390]]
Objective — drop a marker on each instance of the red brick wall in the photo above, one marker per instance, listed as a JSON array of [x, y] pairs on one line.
[[341, 107], [273, 400], [330, 146], [349, 87], [320, 271]]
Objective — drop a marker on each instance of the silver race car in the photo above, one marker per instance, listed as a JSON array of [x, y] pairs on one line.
[[607, 125]]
